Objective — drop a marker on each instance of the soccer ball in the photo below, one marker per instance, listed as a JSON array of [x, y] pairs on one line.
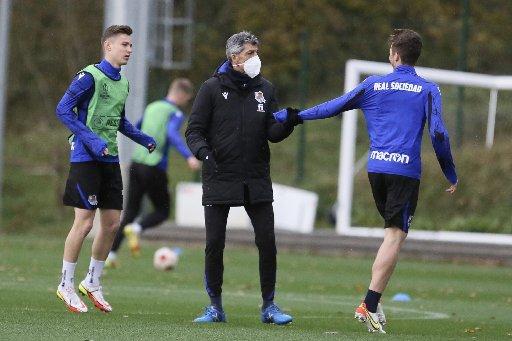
[[165, 259]]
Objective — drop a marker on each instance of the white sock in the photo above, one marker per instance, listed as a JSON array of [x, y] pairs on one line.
[[68, 274], [137, 229], [95, 269]]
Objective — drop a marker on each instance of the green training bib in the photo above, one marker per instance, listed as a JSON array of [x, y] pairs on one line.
[[106, 106], [156, 117]]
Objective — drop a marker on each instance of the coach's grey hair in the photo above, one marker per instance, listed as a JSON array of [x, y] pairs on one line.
[[235, 43]]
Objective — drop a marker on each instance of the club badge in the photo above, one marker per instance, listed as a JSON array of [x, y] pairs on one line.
[[93, 200], [258, 95]]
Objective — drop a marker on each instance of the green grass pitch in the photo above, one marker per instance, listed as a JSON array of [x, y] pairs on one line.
[[449, 301]]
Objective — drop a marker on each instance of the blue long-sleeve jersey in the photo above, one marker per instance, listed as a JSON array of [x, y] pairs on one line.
[[86, 145], [396, 107], [174, 138]]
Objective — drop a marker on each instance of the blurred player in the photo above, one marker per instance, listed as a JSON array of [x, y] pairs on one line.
[[396, 107], [93, 109], [148, 172]]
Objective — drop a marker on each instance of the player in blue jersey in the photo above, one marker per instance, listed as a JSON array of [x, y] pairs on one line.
[[162, 119], [396, 107], [93, 109]]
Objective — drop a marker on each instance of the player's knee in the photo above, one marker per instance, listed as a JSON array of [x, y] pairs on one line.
[[112, 226], [83, 226], [395, 235]]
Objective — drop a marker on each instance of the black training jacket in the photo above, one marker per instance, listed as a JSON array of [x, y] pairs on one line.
[[233, 120]]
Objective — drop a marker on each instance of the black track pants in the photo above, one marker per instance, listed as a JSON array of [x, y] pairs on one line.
[[262, 219]]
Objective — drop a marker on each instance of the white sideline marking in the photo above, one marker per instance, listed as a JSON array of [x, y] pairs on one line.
[[323, 299], [341, 300]]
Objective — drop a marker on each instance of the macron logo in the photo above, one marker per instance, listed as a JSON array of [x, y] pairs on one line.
[[389, 157], [225, 94]]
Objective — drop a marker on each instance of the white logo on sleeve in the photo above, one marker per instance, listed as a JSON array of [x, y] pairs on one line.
[[80, 75], [225, 95]]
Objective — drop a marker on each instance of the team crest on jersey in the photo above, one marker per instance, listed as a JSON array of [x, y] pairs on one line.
[[92, 200], [104, 92], [258, 95]]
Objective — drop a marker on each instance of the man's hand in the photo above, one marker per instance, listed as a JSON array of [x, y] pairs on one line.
[[104, 152], [452, 188], [193, 163], [210, 160], [292, 117], [151, 147], [206, 155]]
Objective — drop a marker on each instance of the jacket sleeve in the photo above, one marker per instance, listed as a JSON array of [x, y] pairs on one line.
[[334, 107], [134, 134], [174, 136], [276, 131], [80, 90], [439, 135], [199, 121]]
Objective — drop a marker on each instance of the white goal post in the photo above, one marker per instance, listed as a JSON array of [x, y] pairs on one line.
[[353, 70]]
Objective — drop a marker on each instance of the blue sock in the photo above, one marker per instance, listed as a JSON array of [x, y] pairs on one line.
[[372, 299], [216, 302], [266, 304]]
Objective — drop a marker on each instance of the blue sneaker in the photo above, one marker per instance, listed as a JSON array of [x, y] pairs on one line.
[[272, 314], [211, 314]]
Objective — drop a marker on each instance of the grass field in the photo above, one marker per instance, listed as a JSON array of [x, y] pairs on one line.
[[449, 301]]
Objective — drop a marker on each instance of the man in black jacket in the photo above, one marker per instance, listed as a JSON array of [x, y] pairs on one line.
[[229, 129]]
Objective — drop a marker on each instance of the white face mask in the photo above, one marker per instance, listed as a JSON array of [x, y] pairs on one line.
[[252, 66]]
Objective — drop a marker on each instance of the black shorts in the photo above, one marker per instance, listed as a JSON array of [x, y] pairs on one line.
[[93, 184], [396, 197]]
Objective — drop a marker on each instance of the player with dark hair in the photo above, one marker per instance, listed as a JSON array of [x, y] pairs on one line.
[[396, 107], [93, 109]]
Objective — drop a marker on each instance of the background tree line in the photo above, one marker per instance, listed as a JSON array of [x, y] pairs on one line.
[[50, 41]]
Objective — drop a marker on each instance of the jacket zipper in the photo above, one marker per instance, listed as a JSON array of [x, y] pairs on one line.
[[242, 130]]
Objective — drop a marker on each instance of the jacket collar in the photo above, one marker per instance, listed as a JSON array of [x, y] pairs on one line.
[[234, 79], [404, 68]]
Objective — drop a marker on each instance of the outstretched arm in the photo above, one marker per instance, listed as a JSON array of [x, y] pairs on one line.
[[278, 131], [81, 89], [439, 137], [334, 107]]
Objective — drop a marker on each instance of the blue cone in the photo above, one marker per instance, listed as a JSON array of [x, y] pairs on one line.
[[401, 297]]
